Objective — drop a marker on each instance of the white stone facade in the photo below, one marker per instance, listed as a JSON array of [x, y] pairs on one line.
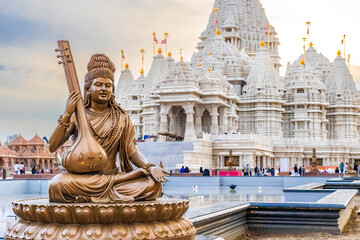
[[230, 97]]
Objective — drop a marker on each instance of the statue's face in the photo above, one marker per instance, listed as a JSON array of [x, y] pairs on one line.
[[101, 90]]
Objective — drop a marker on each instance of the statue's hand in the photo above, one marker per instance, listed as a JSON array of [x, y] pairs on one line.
[[159, 174], [74, 97]]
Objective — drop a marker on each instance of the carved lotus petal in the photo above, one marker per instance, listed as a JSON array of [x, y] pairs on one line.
[[69, 232], [30, 231], [49, 232], [17, 229], [18, 210], [128, 214], [83, 215], [148, 213], [175, 227], [107, 216], [43, 214], [165, 212], [142, 230], [161, 230], [27, 213], [119, 231], [178, 211], [61, 215], [94, 232]]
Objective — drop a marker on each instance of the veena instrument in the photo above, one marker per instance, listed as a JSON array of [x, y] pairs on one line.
[[86, 154]]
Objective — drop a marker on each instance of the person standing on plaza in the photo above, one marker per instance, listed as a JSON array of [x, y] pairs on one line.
[[341, 167], [247, 169], [303, 171], [22, 168], [358, 170], [256, 171], [295, 170], [17, 168], [346, 168], [300, 169]]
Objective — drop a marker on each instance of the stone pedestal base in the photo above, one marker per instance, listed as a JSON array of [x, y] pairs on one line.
[[160, 219]]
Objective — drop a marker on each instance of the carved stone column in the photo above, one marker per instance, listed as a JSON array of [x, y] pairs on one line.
[[189, 129], [6, 163], [226, 120], [221, 120], [198, 124], [156, 121], [214, 120], [163, 119]]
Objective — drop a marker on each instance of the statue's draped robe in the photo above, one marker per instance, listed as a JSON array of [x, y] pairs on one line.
[[101, 187]]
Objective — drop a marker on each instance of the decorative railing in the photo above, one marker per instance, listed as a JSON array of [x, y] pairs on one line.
[[238, 137]]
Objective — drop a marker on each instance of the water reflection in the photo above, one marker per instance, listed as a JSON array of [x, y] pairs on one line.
[[210, 195]]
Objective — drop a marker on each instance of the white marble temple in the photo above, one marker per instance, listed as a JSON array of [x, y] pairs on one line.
[[230, 97]]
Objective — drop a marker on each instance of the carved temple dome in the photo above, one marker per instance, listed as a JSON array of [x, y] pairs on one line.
[[20, 140]]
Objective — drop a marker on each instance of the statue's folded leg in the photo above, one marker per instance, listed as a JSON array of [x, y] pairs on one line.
[[67, 187], [144, 188], [123, 187]]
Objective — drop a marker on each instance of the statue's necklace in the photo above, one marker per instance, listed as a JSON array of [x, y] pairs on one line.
[[102, 114]]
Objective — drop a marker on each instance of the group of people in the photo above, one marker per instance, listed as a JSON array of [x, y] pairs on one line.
[[343, 168], [299, 171], [19, 168], [247, 171], [36, 169], [186, 169]]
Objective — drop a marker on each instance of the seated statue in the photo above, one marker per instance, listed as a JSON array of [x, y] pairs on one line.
[[113, 129]]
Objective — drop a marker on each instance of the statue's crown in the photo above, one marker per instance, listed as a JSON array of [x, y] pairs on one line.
[[100, 65]]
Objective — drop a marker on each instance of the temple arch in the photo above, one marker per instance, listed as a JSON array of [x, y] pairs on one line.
[[32, 163], [46, 165], [206, 121], [32, 149], [181, 122]]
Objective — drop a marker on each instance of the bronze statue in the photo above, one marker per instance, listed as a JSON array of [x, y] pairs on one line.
[[80, 198], [314, 170], [93, 174]]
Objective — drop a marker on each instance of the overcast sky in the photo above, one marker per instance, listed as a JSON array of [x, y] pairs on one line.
[[33, 88]]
